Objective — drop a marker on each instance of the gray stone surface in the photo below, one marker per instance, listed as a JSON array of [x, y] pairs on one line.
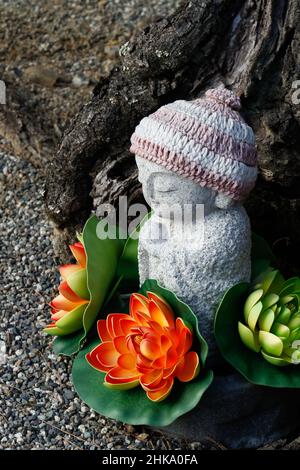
[[200, 258], [240, 415]]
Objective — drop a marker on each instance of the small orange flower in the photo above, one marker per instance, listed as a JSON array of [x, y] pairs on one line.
[[147, 347], [68, 307]]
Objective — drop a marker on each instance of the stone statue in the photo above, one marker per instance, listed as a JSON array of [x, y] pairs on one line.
[[197, 163]]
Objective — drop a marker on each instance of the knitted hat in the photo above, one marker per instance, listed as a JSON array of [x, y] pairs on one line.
[[205, 140]]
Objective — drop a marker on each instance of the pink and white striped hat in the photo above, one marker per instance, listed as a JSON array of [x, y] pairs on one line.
[[205, 140]]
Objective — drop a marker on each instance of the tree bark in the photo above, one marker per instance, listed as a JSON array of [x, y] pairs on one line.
[[251, 46], [24, 128]]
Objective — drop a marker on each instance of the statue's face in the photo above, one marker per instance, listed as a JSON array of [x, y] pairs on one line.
[[163, 188]]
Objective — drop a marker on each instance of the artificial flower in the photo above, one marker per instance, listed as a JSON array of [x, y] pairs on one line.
[[68, 307], [272, 319], [148, 347]]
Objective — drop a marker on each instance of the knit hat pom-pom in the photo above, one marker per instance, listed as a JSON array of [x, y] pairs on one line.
[[224, 96]]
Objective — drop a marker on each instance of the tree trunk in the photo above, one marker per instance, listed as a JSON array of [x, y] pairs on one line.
[[24, 128], [251, 46]]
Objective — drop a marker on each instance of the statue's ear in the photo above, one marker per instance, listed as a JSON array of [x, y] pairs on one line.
[[223, 202]]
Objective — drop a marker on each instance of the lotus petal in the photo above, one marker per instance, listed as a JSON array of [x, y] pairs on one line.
[[249, 338], [120, 345], [150, 334], [284, 315], [165, 343], [159, 395], [294, 322], [72, 321], [138, 303], [266, 319], [113, 324], [182, 325], [78, 283], [53, 330], [67, 292], [67, 269], [156, 327], [162, 303], [254, 315], [133, 342], [120, 385], [171, 358], [151, 379], [287, 299], [188, 367], [270, 343], [142, 318], [143, 365], [61, 303], [108, 355], [269, 300], [252, 299], [116, 323], [185, 341], [79, 253], [121, 375], [58, 314], [149, 349], [159, 363], [127, 324], [170, 372], [127, 361], [93, 359], [276, 361], [295, 335], [279, 329], [160, 311], [103, 332]]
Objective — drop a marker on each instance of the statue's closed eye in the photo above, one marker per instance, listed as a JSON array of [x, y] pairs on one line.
[[164, 186], [165, 190]]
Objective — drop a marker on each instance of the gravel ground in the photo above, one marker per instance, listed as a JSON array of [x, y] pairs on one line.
[[38, 406], [52, 53]]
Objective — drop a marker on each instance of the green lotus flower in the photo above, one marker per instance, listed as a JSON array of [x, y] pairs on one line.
[[272, 318]]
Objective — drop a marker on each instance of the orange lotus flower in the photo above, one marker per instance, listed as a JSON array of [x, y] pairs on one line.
[[68, 307], [147, 347]]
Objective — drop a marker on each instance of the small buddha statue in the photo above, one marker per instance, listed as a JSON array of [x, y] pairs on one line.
[[197, 164]]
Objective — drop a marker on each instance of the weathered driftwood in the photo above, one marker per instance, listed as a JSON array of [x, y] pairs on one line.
[[251, 46]]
